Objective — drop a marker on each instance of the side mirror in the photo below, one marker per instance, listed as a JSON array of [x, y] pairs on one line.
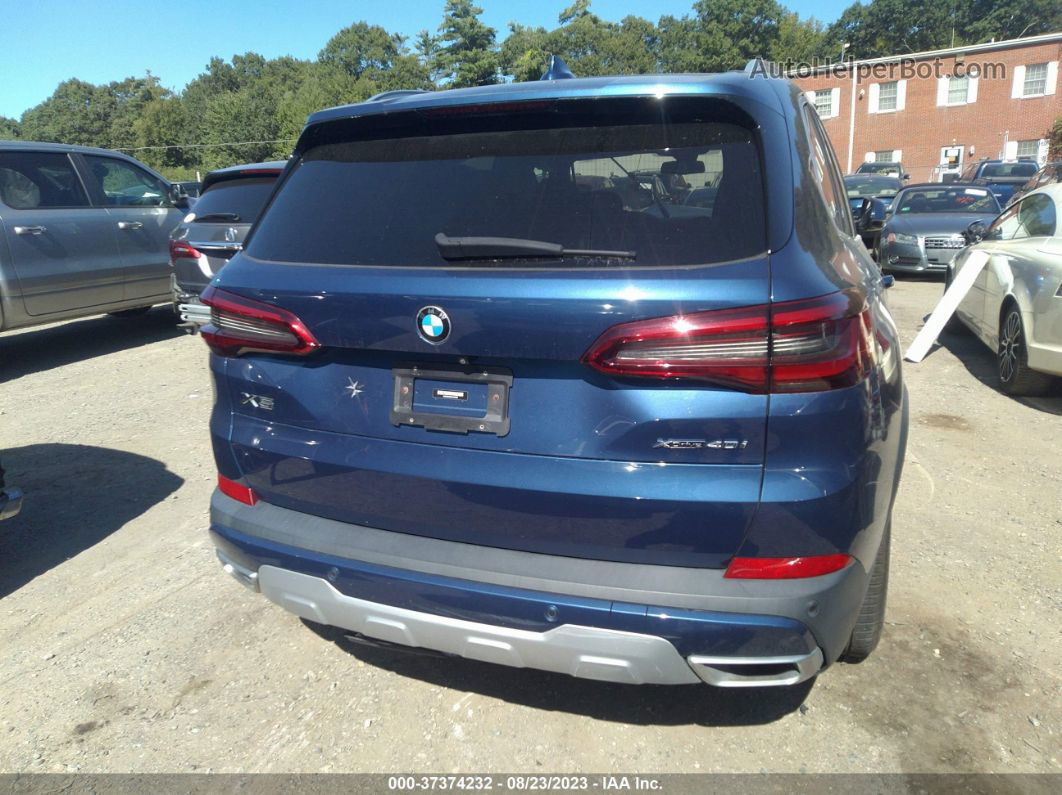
[[906, 176], [887, 280], [975, 232], [183, 202], [871, 213]]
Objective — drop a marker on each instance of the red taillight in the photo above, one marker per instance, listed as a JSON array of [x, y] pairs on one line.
[[237, 491], [240, 325], [785, 568], [179, 249], [793, 346]]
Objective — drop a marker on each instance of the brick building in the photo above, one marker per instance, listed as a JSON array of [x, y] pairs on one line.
[[937, 111]]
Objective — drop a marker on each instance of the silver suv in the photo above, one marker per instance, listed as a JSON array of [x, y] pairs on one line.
[[83, 231]]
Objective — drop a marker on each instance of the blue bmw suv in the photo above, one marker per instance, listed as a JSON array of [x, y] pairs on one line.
[[489, 382]]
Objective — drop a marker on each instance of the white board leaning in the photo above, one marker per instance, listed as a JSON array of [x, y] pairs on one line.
[[947, 305]]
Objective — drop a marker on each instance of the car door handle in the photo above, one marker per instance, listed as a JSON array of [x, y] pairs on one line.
[[30, 230], [130, 225]]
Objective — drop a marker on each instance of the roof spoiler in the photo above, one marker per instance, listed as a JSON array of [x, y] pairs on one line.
[[557, 70], [395, 94]]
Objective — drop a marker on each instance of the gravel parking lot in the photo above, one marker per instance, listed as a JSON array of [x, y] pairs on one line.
[[126, 648]]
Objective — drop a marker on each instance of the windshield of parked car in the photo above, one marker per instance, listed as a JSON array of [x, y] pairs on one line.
[[648, 185], [945, 200], [1008, 170], [878, 168], [243, 198], [871, 187]]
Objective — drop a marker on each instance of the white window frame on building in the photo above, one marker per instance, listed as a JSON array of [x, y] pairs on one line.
[[874, 97], [829, 109], [1023, 81], [884, 156], [946, 91]]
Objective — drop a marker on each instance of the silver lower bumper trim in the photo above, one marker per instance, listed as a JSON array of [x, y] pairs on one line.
[[757, 671], [588, 652]]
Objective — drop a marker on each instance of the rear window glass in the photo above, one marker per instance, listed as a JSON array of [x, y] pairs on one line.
[[673, 193], [1008, 170], [244, 197]]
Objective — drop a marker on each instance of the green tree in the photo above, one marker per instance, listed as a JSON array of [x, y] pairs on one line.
[[76, 113], [798, 40], [467, 54], [9, 129], [362, 48], [163, 126]]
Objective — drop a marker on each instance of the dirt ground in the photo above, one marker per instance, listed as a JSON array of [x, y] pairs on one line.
[[124, 647]]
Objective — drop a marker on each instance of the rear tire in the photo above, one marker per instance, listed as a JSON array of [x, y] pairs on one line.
[[871, 620], [134, 312], [1012, 360]]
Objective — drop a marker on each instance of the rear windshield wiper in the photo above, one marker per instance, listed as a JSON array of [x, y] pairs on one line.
[[218, 217], [460, 248]]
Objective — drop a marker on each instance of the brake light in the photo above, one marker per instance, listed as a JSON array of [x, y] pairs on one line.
[[793, 346], [239, 492], [180, 249], [785, 568], [241, 325]]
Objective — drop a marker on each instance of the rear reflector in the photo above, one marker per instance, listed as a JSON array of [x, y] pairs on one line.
[[794, 346], [785, 568], [179, 249], [241, 325], [239, 492]]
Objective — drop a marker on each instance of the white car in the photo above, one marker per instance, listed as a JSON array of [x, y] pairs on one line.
[[1015, 305]]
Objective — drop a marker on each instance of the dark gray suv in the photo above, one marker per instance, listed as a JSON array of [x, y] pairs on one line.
[[214, 230], [83, 231]]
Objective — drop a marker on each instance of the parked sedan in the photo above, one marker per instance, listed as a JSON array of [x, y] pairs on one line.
[[924, 226], [215, 229], [1015, 304]]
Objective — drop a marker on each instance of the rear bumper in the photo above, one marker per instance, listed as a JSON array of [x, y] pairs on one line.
[[10, 501], [595, 619]]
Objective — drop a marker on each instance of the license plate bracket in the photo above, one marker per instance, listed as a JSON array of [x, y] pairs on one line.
[[408, 411]]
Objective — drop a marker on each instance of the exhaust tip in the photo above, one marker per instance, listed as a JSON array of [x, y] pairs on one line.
[[756, 671]]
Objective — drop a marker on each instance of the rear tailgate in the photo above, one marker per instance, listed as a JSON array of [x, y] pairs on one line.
[[495, 432]]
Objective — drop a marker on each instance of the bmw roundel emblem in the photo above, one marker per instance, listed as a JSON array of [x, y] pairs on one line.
[[433, 324]]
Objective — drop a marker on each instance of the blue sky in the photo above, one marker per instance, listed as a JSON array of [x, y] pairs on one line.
[[47, 41]]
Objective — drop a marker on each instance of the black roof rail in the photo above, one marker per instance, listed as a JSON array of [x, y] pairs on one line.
[[395, 93]]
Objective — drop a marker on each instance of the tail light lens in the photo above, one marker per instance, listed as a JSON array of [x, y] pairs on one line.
[[180, 249], [785, 568], [794, 346], [239, 492], [240, 325]]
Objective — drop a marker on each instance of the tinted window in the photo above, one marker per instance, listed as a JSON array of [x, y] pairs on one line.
[[822, 168], [945, 200], [243, 197], [878, 168], [1004, 226], [863, 187], [29, 180], [1008, 170], [1036, 217], [126, 185], [598, 185]]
